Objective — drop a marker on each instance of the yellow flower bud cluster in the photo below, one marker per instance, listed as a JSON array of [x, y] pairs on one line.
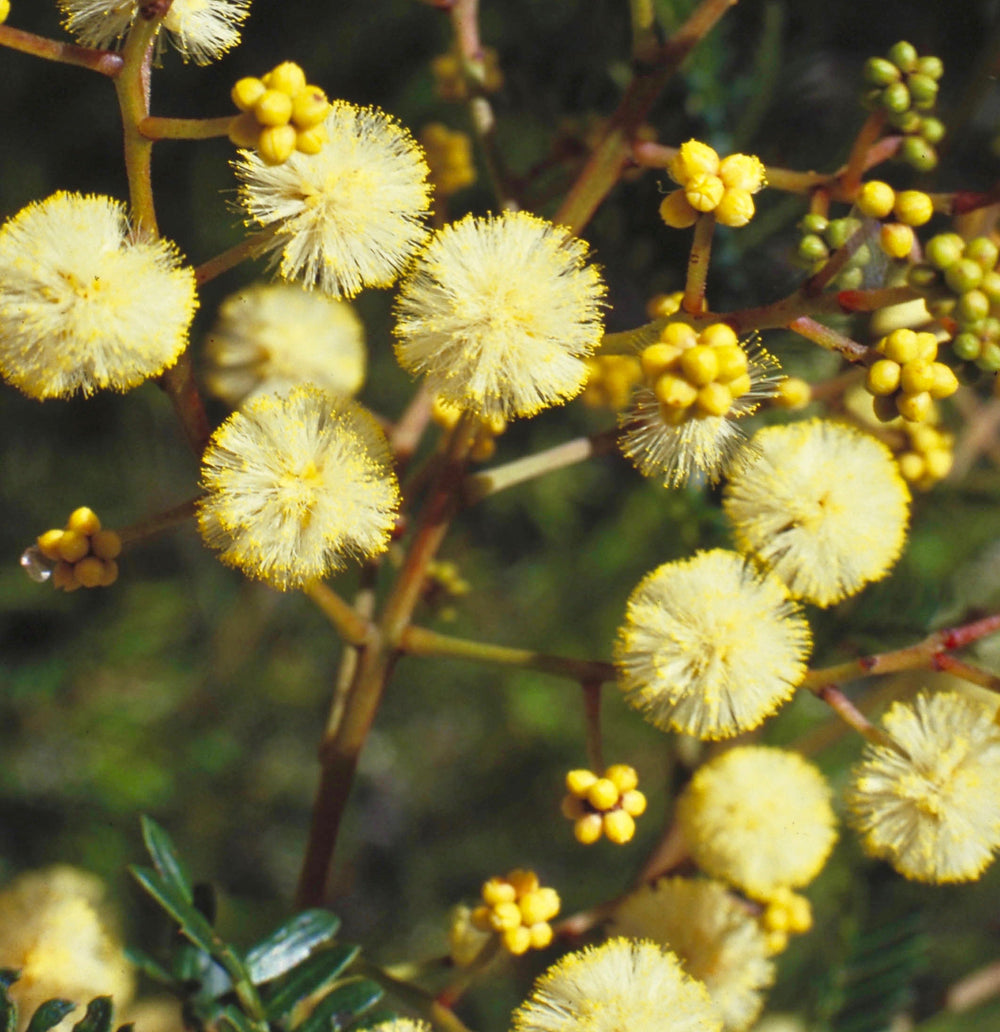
[[449, 157], [707, 182], [927, 456], [83, 553], [282, 114], [519, 909], [610, 380], [792, 393], [785, 913], [695, 375], [4, 10], [911, 208], [483, 432], [444, 582], [908, 380], [660, 306], [603, 805], [450, 75]]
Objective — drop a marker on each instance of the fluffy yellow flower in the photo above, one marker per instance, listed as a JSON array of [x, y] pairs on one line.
[[499, 314], [622, 984], [272, 337], [822, 505], [758, 818], [51, 930], [85, 302], [295, 486], [715, 937], [710, 646], [400, 1025], [931, 808], [200, 29], [350, 216]]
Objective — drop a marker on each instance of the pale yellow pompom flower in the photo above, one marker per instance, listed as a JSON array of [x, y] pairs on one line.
[[400, 1025], [622, 984], [822, 505], [97, 23], [272, 337], [295, 486], [85, 301], [716, 938], [710, 646], [932, 807], [758, 818], [52, 931], [499, 314], [350, 216]]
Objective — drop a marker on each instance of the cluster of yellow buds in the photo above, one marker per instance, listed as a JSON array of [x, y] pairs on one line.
[[786, 913], [908, 380], [603, 806], [282, 114], [707, 182], [484, 431], [82, 554], [519, 909], [610, 381], [792, 393], [4, 10], [911, 208], [660, 306], [450, 75], [444, 582], [927, 456], [695, 375], [449, 157]]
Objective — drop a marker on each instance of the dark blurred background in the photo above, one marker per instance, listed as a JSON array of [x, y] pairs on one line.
[[190, 694]]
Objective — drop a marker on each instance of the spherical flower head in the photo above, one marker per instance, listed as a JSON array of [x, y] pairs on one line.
[[272, 337], [85, 302], [295, 485], [499, 314], [931, 807], [715, 937], [53, 932], [822, 505], [710, 647], [350, 216], [677, 438], [400, 1025], [97, 23], [758, 818], [622, 984]]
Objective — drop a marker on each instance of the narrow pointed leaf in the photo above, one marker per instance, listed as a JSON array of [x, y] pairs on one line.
[[165, 860], [235, 1019], [8, 1008], [312, 976], [290, 944], [179, 907], [341, 1006], [49, 1014], [148, 966], [98, 1016]]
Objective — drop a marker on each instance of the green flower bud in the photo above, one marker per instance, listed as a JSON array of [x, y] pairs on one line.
[[850, 279], [812, 248], [990, 328], [918, 154], [896, 97], [944, 249], [903, 55], [989, 357], [966, 346], [964, 274], [839, 231], [880, 72], [931, 66], [921, 276], [990, 285], [982, 250], [813, 222], [907, 121], [931, 129], [972, 305], [923, 90]]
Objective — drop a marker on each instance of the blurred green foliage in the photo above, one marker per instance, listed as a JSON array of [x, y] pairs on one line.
[[190, 694]]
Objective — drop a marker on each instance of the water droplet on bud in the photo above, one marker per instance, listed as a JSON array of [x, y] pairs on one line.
[[36, 565]]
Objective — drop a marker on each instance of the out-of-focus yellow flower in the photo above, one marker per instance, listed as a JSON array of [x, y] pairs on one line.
[[449, 155]]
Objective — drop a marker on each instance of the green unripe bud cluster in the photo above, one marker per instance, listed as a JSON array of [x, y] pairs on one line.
[[821, 236], [282, 114], [904, 85], [908, 380]]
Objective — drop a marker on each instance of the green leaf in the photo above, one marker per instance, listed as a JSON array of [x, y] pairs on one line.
[[8, 976], [8, 1008], [237, 1020], [98, 1016], [341, 1006], [148, 966], [290, 944], [310, 977], [165, 859], [49, 1014], [180, 908]]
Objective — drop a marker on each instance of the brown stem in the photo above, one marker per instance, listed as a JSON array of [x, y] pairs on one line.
[[105, 62], [160, 522], [850, 714], [350, 625], [248, 247], [807, 327], [697, 267], [856, 161]]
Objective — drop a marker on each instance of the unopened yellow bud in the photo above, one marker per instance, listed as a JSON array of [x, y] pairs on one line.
[[524, 881], [793, 393], [48, 543], [588, 829], [676, 210], [287, 77], [540, 905], [674, 391], [109, 573], [693, 158], [572, 807], [911, 466], [4, 10], [311, 141], [541, 935], [84, 520], [89, 571], [480, 918], [247, 92], [732, 360], [64, 578], [900, 345], [896, 239], [658, 358], [736, 208], [498, 890], [309, 107], [913, 207], [800, 918], [775, 916], [504, 916], [875, 199], [659, 306], [517, 940], [633, 803], [273, 108], [619, 827], [938, 462], [915, 407], [739, 385], [917, 376], [714, 399], [883, 377], [73, 546], [945, 381], [742, 172], [704, 192], [244, 130], [622, 776], [719, 335], [106, 544], [602, 794], [579, 781], [276, 144], [700, 364], [927, 346], [777, 942], [679, 334]]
